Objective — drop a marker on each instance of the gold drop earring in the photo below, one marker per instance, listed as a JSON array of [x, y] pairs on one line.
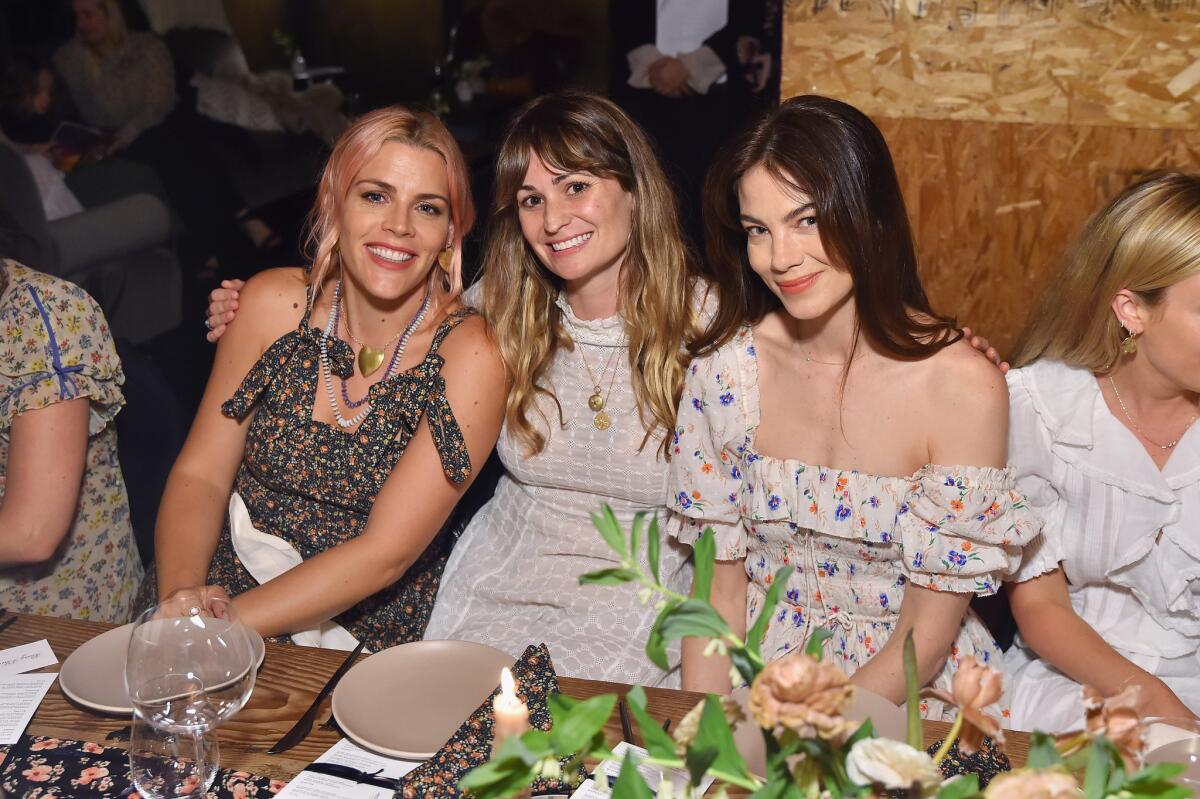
[[1129, 343]]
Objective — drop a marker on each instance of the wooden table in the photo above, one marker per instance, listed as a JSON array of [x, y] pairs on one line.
[[289, 679]]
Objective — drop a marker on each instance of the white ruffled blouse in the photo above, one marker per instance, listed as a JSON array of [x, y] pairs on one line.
[[1127, 534]]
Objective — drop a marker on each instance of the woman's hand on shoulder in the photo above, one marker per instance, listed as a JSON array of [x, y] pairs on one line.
[[966, 406], [265, 307], [978, 342], [222, 308]]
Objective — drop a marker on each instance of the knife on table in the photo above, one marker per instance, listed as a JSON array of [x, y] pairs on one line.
[[302, 727]]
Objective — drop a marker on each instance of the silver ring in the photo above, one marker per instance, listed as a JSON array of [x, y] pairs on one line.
[[207, 324]]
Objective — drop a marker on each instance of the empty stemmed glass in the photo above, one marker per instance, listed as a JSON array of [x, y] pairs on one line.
[[190, 667]]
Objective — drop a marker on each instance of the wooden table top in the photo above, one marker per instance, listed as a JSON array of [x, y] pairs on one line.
[[290, 678]]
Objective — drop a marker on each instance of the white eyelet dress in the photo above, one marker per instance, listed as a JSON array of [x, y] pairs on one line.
[[853, 540], [513, 577]]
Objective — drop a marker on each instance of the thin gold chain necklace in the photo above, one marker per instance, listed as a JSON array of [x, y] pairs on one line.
[[1139, 430], [597, 401]]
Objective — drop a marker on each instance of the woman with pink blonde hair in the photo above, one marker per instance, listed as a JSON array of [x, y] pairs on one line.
[[342, 395]]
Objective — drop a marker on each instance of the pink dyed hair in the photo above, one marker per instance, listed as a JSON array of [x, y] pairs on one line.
[[359, 144]]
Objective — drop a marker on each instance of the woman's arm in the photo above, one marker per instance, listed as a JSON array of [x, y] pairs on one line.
[[46, 459], [196, 497], [711, 674], [966, 399], [1055, 632], [410, 509]]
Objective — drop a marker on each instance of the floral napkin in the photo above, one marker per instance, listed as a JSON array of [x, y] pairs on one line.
[[471, 746], [48, 768]]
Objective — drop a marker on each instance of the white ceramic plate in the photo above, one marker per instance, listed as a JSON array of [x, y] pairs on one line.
[[94, 674], [888, 719], [408, 700]]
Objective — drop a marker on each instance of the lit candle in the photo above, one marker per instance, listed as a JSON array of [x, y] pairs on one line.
[[512, 715]]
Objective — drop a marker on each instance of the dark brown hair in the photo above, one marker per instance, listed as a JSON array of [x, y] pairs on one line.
[[835, 155]]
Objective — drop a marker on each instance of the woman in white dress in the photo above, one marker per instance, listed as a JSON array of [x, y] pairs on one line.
[[833, 423], [1102, 438]]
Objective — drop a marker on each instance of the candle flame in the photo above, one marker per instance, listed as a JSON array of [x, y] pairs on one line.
[[508, 685]]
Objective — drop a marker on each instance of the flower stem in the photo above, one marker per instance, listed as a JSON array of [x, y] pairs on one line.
[[951, 737]]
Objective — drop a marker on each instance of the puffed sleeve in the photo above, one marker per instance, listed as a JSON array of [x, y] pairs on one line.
[[55, 345], [962, 528], [711, 434], [1031, 457]]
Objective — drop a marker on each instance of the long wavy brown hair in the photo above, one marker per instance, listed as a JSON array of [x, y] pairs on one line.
[[583, 132], [834, 154]]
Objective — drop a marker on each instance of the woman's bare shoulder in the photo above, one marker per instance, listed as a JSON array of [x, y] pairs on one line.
[[272, 303]]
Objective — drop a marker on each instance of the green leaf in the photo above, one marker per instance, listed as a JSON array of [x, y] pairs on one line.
[[911, 696], [693, 618], [1095, 779], [965, 786], [616, 575], [635, 536], [652, 548], [697, 761], [714, 734], [630, 783], [816, 642], [574, 729], [656, 642], [1160, 772], [657, 742], [865, 730], [606, 522], [755, 633], [704, 552], [1042, 752], [747, 667]]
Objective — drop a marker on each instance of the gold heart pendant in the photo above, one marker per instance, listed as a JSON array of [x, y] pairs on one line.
[[369, 360]]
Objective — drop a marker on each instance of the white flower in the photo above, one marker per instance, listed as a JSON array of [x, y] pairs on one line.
[[892, 764]]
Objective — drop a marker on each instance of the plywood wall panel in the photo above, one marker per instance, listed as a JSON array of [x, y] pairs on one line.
[[1094, 62], [994, 205]]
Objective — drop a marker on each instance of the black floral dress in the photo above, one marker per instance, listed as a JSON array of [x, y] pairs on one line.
[[313, 484]]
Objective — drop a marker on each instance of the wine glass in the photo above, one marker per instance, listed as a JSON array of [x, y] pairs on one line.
[[190, 666]]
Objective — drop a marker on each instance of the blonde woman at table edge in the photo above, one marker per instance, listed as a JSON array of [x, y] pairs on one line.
[[1102, 437], [332, 475], [833, 423]]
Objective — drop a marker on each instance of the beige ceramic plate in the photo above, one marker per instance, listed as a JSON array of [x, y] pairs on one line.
[[94, 674], [408, 700], [888, 719]]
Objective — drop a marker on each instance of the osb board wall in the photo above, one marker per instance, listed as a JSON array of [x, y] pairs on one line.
[[1095, 62], [994, 206]]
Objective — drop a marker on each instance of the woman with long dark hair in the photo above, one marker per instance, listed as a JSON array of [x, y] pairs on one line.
[[833, 422]]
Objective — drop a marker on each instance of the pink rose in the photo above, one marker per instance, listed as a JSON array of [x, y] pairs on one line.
[[276, 786], [1118, 719], [1033, 784], [95, 749], [803, 694], [49, 743], [974, 688]]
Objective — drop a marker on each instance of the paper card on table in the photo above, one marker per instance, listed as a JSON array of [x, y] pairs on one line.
[[26, 657], [20, 695], [309, 785], [651, 774]]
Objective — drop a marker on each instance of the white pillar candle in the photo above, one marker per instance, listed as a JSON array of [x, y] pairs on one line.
[[512, 715]]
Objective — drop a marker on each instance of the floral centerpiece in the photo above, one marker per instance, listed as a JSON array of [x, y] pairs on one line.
[[799, 703]]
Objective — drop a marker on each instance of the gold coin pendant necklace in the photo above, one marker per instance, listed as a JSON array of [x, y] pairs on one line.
[[597, 400]]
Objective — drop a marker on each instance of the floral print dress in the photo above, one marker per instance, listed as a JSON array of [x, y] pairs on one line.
[[55, 346], [852, 540], [313, 484]]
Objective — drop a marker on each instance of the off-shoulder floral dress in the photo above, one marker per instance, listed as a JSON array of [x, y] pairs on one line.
[[55, 346], [313, 484], [853, 540]]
